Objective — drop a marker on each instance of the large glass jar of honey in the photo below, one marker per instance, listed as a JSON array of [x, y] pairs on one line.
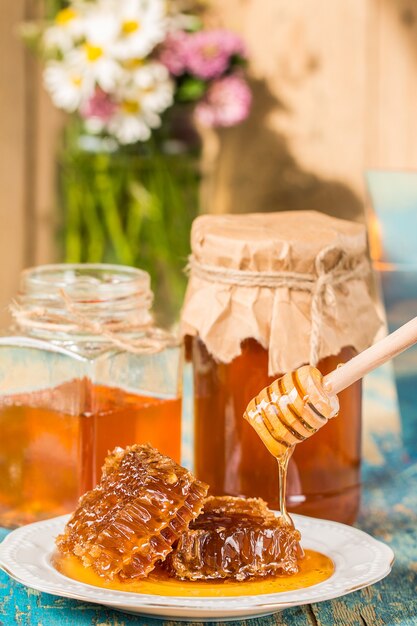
[[82, 371], [267, 294]]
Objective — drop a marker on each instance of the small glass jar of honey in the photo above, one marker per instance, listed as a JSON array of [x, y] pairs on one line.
[[83, 370], [267, 294]]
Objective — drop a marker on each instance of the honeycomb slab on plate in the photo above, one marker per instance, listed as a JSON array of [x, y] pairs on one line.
[[131, 520], [235, 538]]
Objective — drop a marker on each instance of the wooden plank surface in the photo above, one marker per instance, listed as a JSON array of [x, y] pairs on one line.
[[12, 152], [335, 93], [397, 94], [45, 216], [29, 126]]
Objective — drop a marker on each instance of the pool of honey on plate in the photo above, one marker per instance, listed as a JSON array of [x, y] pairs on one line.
[[314, 568]]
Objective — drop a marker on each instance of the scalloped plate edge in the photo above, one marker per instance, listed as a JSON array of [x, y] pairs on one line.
[[199, 608]]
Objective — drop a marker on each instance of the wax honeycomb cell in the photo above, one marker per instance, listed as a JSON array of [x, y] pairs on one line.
[[141, 506], [235, 538]]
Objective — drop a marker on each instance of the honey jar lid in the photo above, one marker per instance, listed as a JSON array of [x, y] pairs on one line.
[[296, 281]]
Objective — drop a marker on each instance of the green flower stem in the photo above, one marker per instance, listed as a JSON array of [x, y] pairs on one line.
[[139, 207], [72, 226], [95, 246], [106, 184], [166, 197]]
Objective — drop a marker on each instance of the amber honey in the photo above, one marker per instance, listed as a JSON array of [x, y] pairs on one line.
[[314, 568], [53, 443], [323, 473]]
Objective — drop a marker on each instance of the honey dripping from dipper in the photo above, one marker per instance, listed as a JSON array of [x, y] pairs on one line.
[[287, 412]]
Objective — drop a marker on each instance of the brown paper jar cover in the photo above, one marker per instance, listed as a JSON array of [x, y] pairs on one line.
[[296, 282]]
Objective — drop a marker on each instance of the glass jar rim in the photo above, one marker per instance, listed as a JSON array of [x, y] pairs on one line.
[[90, 302], [81, 280]]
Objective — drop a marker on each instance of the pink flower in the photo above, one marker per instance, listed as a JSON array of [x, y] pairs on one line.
[[208, 52], [99, 107], [173, 53], [226, 103]]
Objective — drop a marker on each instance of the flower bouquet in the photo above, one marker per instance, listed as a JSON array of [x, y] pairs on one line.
[[139, 77]]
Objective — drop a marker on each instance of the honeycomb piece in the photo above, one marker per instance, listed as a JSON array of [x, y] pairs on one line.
[[235, 538], [131, 519]]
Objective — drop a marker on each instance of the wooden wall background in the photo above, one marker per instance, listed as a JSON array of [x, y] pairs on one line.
[[335, 88], [335, 92], [28, 138]]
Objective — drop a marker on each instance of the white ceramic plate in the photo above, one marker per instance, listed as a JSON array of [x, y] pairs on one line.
[[359, 561]]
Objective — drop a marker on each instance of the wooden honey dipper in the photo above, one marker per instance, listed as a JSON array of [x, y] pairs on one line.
[[298, 404]]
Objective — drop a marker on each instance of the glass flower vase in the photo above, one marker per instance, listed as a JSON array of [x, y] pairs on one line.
[[131, 205]]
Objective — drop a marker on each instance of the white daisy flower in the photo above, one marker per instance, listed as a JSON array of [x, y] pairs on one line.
[[66, 30], [142, 25], [132, 123], [102, 23], [141, 102], [67, 86], [96, 65], [155, 88]]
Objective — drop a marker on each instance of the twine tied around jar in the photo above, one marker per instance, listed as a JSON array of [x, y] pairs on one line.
[[70, 320], [320, 284]]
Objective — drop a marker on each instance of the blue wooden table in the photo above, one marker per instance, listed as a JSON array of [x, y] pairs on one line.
[[389, 512]]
